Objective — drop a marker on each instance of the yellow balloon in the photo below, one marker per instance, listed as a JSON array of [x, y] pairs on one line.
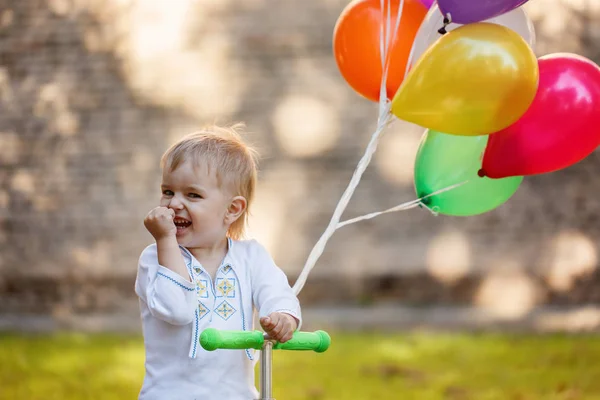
[[475, 80]]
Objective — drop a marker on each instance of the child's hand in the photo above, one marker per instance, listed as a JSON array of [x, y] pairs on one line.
[[279, 326], [159, 223]]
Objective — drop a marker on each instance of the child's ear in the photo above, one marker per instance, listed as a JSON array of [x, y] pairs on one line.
[[236, 208]]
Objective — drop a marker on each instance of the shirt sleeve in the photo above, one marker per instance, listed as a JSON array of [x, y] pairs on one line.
[[271, 291], [168, 295]]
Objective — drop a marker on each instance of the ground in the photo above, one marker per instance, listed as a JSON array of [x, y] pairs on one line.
[[420, 365]]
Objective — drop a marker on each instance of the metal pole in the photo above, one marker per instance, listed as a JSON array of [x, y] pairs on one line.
[[266, 361]]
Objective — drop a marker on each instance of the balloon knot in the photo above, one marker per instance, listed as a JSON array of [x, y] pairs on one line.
[[481, 173], [435, 210], [424, 201], [447, 21]]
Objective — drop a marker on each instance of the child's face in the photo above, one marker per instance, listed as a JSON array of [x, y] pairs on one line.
[[199, 203]]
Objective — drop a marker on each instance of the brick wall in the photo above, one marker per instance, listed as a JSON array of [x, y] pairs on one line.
[[92, 92]]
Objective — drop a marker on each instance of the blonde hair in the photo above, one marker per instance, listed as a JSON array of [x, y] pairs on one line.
[[235, 163]]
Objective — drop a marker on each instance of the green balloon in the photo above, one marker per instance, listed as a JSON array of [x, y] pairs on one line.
[[445, 160]]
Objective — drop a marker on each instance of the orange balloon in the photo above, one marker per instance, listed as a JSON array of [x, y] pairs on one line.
[[356, 44]]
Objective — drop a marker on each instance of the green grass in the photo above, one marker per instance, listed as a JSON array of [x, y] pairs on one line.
[[357, 366]]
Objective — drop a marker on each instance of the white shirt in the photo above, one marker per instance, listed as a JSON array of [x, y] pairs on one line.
[[175, 311]]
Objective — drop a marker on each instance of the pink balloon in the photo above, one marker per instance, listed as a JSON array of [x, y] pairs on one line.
[[561, 127]]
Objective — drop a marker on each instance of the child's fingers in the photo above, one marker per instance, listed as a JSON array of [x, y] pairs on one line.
[[275, 332], [286, 335], [267, 323], [288, 328], [274, 319], [278, 327]]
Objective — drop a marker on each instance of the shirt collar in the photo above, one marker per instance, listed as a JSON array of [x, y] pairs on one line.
[[227, 260]]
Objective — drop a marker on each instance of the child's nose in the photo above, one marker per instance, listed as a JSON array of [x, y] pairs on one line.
[[175, 203]]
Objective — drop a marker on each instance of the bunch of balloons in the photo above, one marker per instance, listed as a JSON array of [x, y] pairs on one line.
[[493, 112]]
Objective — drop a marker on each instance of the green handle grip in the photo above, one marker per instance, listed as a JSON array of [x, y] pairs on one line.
[[318, 341], [212, 339]]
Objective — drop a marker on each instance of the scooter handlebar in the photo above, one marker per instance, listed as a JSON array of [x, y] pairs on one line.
[[213, 339]]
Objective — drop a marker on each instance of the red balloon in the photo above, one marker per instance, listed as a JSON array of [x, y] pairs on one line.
[[560, 128], [356, 43]]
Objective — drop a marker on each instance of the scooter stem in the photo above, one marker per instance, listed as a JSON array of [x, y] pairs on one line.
[[266, 368]]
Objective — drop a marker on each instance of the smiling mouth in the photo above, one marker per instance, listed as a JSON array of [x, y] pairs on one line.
[[181, 223]]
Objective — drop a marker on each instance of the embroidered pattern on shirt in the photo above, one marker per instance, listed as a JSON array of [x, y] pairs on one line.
[[198, 270], [226, 287], [202, 288], [225, 310], [226, 269], [202, 310], [174, 281]]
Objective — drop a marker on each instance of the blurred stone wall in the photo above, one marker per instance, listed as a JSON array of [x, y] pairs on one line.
[[92, 92]]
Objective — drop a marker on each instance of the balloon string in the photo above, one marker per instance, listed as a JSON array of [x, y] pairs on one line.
[[319, 247], [404, 206], [382, 37], [400, 207], [385, 41], [383, 120], [435, 210]]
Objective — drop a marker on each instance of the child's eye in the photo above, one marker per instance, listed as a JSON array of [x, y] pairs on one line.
[[194, 195], [167, 193]]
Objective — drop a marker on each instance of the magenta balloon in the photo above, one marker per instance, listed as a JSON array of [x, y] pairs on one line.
[[468, 11], [560, 128], [427, 3]]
